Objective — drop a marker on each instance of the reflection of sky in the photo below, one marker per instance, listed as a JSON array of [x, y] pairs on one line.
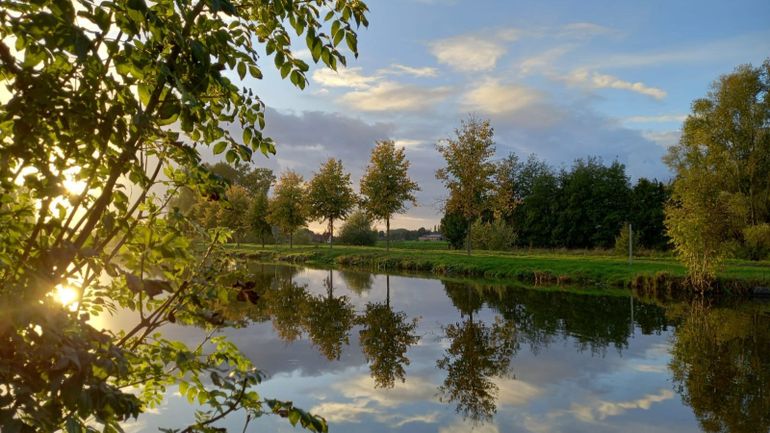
[[558, 388]]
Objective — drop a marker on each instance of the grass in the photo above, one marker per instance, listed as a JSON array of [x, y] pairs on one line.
[[587, 268]]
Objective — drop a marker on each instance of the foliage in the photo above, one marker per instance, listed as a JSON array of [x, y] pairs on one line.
[[109, 103], [357, 230], [329, 321], [647, 214], [234, 212], [757, 241], [385, 336], [622, 240], [722, 164], [492, 235], [287, 209], [468, 174], [720, 366], [386, 186], [454, 227], [330, 195]]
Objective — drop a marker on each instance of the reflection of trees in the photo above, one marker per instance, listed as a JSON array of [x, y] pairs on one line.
[[477, 354], [385, 337], [721, 368], [595, 322], [329, 320], [288, 307], [357, 282]]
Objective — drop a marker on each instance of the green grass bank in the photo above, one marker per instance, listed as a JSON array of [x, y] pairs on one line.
[[584, 268]]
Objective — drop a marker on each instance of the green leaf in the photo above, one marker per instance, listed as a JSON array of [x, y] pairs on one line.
[[242, 70], [220, 147]]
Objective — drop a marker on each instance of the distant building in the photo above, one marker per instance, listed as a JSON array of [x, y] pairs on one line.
[[431, 237]]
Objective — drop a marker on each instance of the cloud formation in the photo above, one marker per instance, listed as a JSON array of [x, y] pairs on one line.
[[473, 52], [595, 80], [493, 97]]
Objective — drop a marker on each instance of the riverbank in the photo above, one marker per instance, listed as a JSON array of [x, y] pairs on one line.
[[644, 274]]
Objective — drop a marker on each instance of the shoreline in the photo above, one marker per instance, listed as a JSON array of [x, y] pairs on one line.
[[647, 276]]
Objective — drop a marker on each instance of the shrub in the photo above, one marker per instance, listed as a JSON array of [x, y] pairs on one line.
[[621, 241], [757, 241], [357, 230], [495, 236]]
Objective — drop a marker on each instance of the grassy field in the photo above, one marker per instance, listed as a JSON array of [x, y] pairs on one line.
[[568, 267]]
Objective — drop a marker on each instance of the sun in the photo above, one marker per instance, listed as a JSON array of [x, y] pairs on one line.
[[66, 296]]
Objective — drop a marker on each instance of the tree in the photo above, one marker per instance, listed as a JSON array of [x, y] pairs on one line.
[[722, 164], [469, 172], [454, 227], [648, 200], [329, 320], [357, 230], [330, 195], [258, 214], [104, 97], [287, 208], [386, 186], [233, 214]]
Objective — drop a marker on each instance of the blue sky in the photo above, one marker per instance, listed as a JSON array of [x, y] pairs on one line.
[[562, 80]]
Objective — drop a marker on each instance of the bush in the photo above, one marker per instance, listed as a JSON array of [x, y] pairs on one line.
[[357, 230], [621, 241], [494, 236], [757, 241]]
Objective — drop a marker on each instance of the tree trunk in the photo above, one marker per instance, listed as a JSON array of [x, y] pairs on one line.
[[387, 288], [468, 239], [291, 240], [331, 232], [387, 234]]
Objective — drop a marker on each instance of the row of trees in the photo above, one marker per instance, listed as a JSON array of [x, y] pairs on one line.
[[385, 189], [496, 204]]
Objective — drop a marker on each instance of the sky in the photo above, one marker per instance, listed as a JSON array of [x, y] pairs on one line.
[[559, 79]]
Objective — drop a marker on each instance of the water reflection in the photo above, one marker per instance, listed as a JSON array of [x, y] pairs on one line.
[[721, 366], [381, 353]]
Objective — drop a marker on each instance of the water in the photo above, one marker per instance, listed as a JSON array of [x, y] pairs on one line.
[[373, 353]]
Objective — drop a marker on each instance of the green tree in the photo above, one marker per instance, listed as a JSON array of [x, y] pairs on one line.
[[357, 230], [329, 321], [258, 214], [722, 164], [287, 208], [647, 214], [233, 213], [469, 172], [105, 96], [454, 227], [330, 195], [386, 186]]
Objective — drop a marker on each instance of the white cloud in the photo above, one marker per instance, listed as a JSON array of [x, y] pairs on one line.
[[493, 97], [408, 143], [665, 139], [544, 61], [363, 387], [473, 52], [656, 119], [343, 77], [398, 69], [595, 80], [516, 392], [601, 409], [392, 96], [428, 418], [344, 412]]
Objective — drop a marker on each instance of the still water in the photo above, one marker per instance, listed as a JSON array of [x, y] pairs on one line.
[[376, 353]]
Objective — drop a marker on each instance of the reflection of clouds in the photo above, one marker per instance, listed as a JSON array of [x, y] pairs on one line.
[[650, 368], [603, 409], [516, 392], [379, 403], [363, 387], [464, 426], [335, 412]]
